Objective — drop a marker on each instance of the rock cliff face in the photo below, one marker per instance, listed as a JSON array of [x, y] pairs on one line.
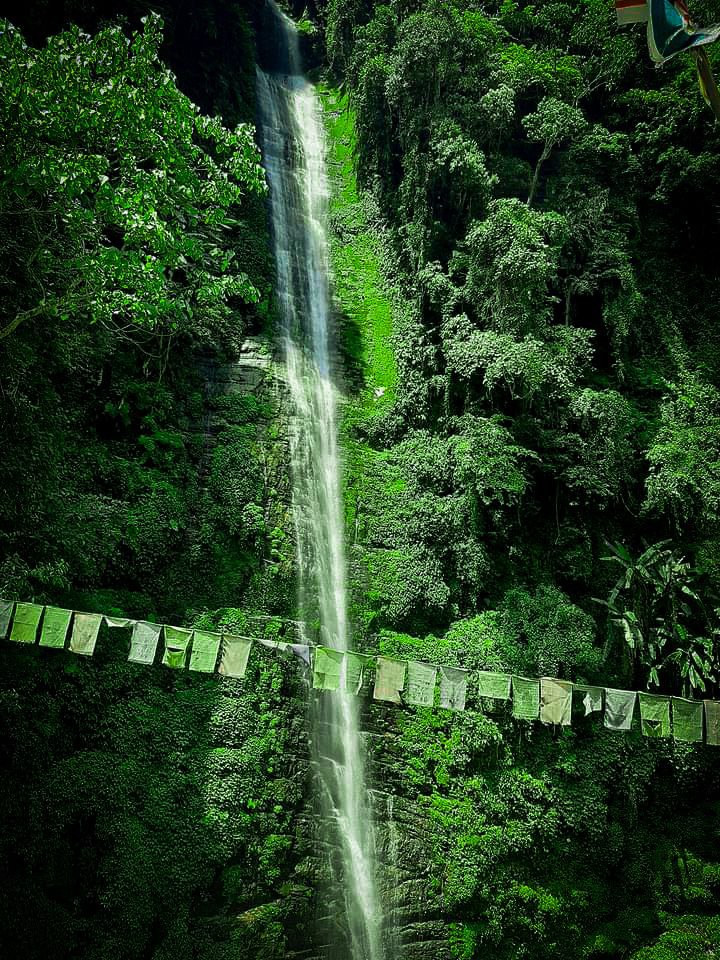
[[415, 929]]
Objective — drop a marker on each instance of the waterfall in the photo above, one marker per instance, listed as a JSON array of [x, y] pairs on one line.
[[293, 155]]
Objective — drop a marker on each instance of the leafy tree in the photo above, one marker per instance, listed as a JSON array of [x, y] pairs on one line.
[[552, 122], [116, 191], [684, 457], [655, 604]]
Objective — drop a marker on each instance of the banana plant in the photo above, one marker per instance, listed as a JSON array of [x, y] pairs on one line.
[[656, 609]]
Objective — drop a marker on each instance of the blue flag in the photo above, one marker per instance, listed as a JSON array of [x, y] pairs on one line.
[[671, 30]]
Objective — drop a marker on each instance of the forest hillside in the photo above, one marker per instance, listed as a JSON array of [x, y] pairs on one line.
[[523, 227]]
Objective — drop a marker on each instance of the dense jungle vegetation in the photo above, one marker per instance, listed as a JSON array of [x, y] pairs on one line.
[[524, 226]]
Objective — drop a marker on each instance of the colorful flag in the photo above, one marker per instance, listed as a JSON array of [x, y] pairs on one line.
[[671, 30], [56, 624], [86, 627], [389, 679], [421, 681], [632, 11], [25, 622], [205, 649], [144, 642]]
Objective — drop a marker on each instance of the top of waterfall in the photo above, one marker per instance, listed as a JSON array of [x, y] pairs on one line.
[[286, 53]]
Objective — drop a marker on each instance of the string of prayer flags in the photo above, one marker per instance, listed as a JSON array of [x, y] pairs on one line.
[[396, 681], [6, 612], [555, 701], [654, 715], [494, 686], [453, 688], [26, 622], [86, 627], [712, 722], [353, 671], [389, 679], [234, 656], [177, 645], [421, 680], [144, 642], [526, 698], [55, 627], [687, 719], [592, 697], [619, 708], [327, 668], [205, 649]]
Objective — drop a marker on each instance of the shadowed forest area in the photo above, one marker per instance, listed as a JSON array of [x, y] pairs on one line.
[[523, 229]]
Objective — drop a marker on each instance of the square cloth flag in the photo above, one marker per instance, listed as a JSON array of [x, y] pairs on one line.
[[301, 651], [453, 688], [234, 656], [177, 644], [205, 649], [555, 701], [327, 668], [421, 680], [654, 715], [25, 622], [619, 708], [56, 624], [389, 679], [494, 686], [86, 627], [592, 697], [687, 719], [6, 612], [353, 671], [526, 698], [712, 722], [145, 638]]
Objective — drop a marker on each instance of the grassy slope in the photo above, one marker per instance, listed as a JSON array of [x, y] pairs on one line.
[[365, 306]]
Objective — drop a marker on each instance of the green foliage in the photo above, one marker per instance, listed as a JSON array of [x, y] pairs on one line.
[[141, 787], [656, 606], [550, 635], [545, 202], [684, 455], [688, 938], [100, 151]]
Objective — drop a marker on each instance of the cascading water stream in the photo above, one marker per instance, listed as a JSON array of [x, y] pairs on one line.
[[293, 155]]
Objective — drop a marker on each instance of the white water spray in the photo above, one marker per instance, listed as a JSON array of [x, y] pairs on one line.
[[293, 154]]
